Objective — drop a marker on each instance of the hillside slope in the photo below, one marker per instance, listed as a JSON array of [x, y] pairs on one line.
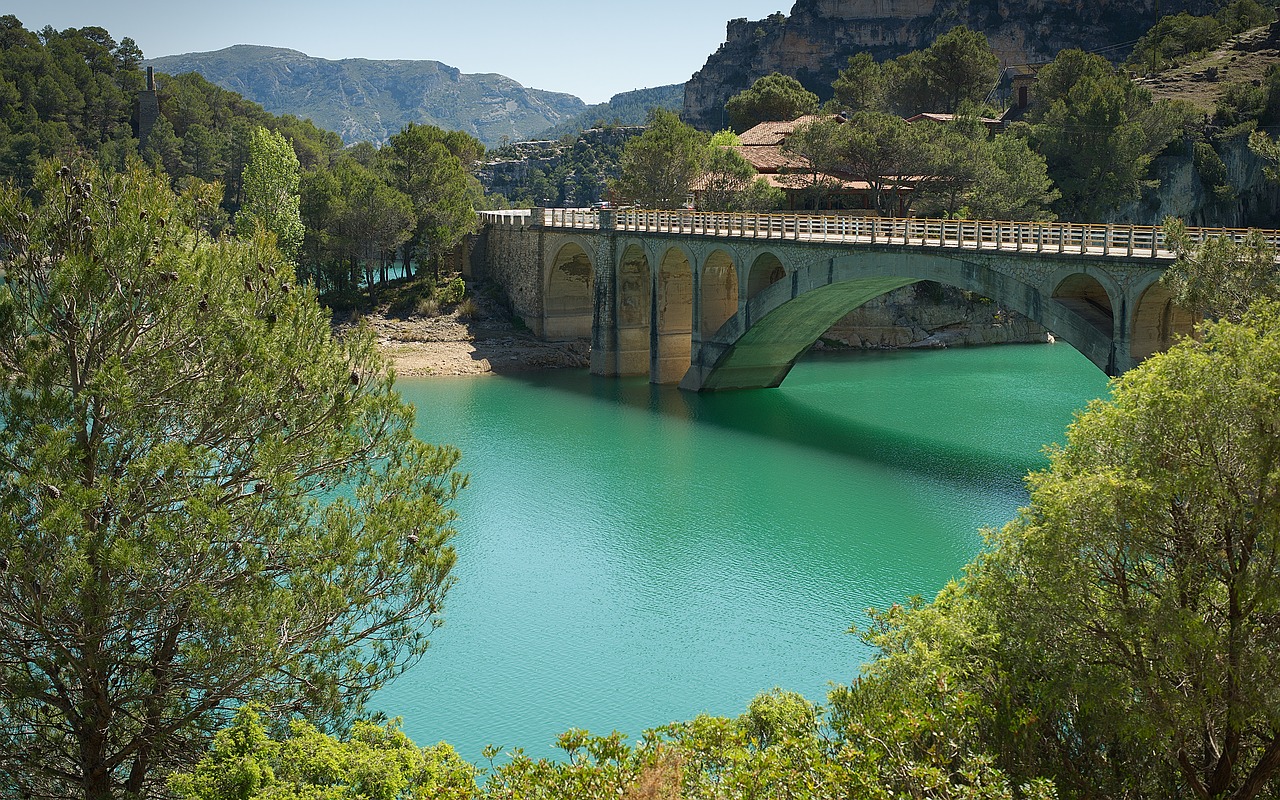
[[1245, 58], [366, 100]]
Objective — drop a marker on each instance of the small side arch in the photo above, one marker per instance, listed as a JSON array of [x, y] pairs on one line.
[[719, 287], [673, 317], [766, 270], [1085, 296], [635, 311], [569, 294], [1158, 322]]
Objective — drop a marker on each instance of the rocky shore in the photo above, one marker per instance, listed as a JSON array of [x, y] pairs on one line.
[[489, 341]]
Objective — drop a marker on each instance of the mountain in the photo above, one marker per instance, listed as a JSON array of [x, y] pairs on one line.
[[366, 100], [815, 41], [627, 108]]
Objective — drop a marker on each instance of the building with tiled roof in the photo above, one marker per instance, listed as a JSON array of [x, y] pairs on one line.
[[762, 147]]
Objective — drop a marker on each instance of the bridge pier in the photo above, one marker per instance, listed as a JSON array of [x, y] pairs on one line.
[[605, 349]]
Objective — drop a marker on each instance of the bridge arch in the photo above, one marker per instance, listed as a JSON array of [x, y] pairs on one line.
[[1157, 321], [635, 311], [569, 294], [766, 270], [1093, 297], [673, 318], [719, 291], [758, 347]]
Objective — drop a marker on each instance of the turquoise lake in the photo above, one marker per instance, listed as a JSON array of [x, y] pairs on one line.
[[631, 555]]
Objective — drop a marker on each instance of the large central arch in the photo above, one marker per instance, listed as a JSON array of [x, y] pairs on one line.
[[758, 347]]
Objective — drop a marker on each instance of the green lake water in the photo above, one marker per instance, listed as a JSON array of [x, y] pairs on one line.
[[631, 555]]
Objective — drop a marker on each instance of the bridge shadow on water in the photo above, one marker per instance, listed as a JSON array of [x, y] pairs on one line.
[[784, 415]]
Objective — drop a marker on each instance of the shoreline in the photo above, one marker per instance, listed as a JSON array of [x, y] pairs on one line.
[[440, 346]]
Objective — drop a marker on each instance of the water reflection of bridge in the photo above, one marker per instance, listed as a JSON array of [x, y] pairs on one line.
[[721, 301]]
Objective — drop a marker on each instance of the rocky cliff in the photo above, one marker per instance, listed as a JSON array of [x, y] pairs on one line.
[[816, 40], [929, 314]]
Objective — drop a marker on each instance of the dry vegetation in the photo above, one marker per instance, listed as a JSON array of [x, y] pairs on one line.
[[1241, 59]]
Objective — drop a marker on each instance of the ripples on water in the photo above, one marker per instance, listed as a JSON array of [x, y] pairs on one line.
[[631, 555]]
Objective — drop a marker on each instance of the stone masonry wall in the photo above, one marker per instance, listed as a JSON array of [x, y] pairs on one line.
[[510, 262]]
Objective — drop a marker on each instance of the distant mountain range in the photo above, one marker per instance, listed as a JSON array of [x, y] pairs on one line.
[[367, 100]]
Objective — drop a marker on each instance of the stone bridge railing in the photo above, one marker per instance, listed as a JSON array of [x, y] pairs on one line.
[[1094, 239]]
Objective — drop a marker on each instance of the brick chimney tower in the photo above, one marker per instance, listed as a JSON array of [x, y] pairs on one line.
[[148, 109]]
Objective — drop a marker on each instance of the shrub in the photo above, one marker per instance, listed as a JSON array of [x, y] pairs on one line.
[[452, 292]]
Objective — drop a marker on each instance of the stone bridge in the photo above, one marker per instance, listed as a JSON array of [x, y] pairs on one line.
[[729, 301]]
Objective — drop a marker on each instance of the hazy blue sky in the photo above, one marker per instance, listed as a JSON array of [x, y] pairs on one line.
[[585, 47]]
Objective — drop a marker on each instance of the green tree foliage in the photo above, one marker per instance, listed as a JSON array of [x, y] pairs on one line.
[[822, 145], [1174, 38], [958, 69], [575, 173], [724, 176], [208, 498], [659, 167], [728, 182], [884, 150], [950, 158], [1219, 277], [432, 168], [1213, 172], [965, 172], [1268, 149], [780, 748], [1098, 132], [913, 716], [1141, 580], [1242, 15], [952, 168], [163, 149], [760, 197], [1119, 636], [860, 85], [375, 761], [271, 193], [1242, 103], [1012, 183], [74, 91], [355, 222], [725, 138], [61, 91], [773, 98]]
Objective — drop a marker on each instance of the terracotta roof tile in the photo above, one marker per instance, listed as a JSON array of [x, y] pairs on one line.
[[774, 133]]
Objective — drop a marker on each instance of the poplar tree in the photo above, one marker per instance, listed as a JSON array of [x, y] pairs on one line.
[[271, 180]]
